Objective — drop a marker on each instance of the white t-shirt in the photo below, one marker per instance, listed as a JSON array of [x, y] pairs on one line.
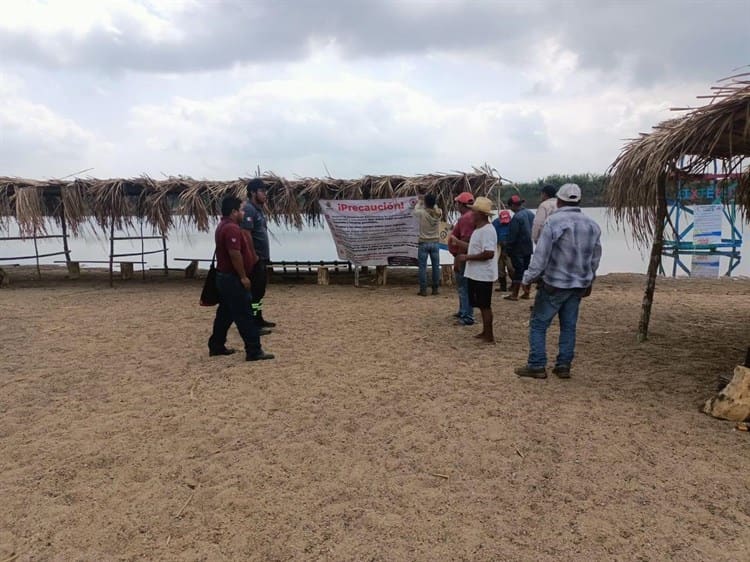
[[482, 239]]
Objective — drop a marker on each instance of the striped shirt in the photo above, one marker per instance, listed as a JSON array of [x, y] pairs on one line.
[[568, 253]]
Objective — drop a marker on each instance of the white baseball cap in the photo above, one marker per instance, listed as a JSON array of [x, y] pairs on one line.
[[569, 192]]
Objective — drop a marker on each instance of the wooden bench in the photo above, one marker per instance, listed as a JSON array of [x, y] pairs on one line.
[[192, 267], [126, 267], [323, 268]]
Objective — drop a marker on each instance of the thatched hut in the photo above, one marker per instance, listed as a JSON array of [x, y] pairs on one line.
[[121, 204], [646, 172], [161, 203]]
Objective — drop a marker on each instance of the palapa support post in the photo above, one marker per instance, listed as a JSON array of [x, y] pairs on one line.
[[164, 247], [111, 252], [143, 265], [64, 226], [36, 254], [381, 274], [446, 275], [653, 265], [324, 277]]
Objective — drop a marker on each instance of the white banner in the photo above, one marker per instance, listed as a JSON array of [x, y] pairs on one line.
[[705, 266], [374, 231], [707, 223]]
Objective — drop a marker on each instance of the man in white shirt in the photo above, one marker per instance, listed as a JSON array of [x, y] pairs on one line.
[[481, 265], [545, 209]]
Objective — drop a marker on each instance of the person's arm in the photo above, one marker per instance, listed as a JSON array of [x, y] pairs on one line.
[[539, 219], [239, 267], [540, 259], [460, 245], [513, 232], [488, 244], [595, 258], [247, 235]]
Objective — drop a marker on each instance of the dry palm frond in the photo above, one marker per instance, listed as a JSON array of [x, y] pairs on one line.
[[74, 205], [30, 211], [196, 202]]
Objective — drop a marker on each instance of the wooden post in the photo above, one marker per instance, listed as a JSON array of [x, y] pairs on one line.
[[74, 270], [64, 225], [36, 253], [143, 265], [111, 251], [381, 274], [446, 275], [323, 276], [126, 270], [164, 245], [191, 269], [653, 265]]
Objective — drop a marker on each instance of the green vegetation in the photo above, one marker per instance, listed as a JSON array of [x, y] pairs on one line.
[[592, 189]]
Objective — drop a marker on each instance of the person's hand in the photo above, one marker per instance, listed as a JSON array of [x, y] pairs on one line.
[[587, 292], [245, 283], [461, 258], [525, 288]]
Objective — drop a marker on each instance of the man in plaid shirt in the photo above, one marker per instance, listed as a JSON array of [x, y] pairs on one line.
[[564, 264]]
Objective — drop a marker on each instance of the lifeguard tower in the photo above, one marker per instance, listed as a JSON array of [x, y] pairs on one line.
[[703, 209]]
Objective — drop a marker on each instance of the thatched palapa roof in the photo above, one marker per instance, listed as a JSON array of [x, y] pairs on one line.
[[718, 132], [161, 203]]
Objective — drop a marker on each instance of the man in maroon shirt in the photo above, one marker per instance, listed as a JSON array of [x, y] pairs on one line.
[[234, 259], [458, 243]]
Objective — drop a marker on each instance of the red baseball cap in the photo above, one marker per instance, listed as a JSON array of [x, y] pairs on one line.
[[465, 198], [515, 200]]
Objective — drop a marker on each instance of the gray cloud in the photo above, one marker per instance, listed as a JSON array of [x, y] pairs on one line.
[[644, 42]]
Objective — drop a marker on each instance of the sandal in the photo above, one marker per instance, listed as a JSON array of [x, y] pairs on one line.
[[510, 298]]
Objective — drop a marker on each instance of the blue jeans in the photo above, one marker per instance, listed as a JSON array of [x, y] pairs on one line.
[[428, 249], [234, 306], [465, 310], [551, 302]]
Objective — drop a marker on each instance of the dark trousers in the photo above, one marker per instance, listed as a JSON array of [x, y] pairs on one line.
[[233, 307], [520, 265], [258, 281]]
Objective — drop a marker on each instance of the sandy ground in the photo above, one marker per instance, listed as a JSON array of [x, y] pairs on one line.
[[381, 432]]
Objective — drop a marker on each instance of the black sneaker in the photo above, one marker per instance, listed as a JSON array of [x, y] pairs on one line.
[[531, 372], [562, 371], [260, 356], [422, 292], [435, 291], [223, 351], [266, 324], [264, 331]]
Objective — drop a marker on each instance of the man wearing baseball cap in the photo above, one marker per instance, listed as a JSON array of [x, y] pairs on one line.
[[502, 229], [564, 265], [519, 245], [458, 243]]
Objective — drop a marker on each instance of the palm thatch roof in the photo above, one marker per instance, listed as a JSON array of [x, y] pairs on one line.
[[120, 202], [718, 132]]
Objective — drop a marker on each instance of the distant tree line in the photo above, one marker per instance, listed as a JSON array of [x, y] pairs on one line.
[[592, 189]]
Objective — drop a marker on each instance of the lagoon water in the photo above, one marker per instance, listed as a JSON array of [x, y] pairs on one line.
[[620, 255]]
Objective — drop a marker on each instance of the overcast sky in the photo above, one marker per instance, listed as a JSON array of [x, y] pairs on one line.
[[213, 89]]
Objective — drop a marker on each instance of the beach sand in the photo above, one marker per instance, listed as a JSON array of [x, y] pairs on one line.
[[381, 431]]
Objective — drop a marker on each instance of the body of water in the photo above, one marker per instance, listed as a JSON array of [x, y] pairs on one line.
[[619, 255]]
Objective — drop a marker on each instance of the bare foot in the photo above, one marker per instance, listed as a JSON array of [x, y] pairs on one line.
[[480, 336], [488, 339]]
